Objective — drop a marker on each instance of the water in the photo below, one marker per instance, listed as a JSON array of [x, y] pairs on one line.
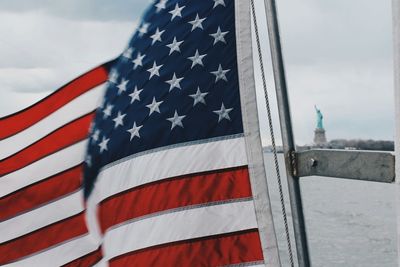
[[349, 223]]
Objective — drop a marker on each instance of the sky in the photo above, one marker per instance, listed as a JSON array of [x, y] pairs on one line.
[[338, 56]]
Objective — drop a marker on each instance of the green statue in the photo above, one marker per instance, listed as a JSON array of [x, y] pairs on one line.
[[320, 117]]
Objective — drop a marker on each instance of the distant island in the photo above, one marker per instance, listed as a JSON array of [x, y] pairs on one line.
[[320, 141], [355, 144]]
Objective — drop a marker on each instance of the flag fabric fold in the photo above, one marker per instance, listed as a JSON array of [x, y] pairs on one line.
[[42, 220], [174, 174]]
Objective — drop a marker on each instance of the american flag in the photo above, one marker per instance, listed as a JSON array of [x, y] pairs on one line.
[[42, 148], [174, 174]]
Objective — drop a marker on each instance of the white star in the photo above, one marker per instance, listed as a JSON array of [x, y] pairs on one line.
[[88, 161], [135, 95], [103, 144], [143, 29], [174, 46], [197, 59], [155, 70], [119, 120], [95, 135], [176, 120], [176, 12], [198, 97], [154, 106], [107, 111], [161, 5], [220, 74], [197, 22], [122, 86], [113, 76], [157, 36], [223, 113], [138, 61], [174, 82], [218, 2], [219, 36], [128, 53], [134, 131]]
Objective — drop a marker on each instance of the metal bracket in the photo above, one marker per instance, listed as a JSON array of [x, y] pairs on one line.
[[358, 165], [291, 162]]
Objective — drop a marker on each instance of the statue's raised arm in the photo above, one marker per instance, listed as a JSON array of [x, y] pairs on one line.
[[320, 117]]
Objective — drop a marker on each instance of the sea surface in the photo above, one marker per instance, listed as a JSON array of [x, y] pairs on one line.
[[349, 223]]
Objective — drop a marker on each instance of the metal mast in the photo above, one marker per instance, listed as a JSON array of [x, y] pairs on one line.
[[287, 134], [396, 43]]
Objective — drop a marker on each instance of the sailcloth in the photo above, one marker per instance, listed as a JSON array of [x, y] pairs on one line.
[[42, 148], [174, 174]]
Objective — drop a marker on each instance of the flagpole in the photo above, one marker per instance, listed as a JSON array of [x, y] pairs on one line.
[[287, 134], [396, 46]]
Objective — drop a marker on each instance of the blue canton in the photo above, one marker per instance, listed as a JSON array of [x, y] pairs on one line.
[[176, 82]]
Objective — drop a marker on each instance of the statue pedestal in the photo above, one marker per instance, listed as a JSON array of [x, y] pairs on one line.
[[319, 137]]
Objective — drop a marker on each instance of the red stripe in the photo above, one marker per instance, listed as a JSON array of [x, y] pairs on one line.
[[43, 238], [63, 137], [87, 260], [174, 193], [40, 193], [242, 247], [17, 122]]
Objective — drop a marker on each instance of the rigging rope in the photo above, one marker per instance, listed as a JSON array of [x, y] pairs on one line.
[[272, 134]]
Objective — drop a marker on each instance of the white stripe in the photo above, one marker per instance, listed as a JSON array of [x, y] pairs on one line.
[[41, 169], [78, 107], [244, 264], [170, 163], [164, 164], [40, 217], [101, 263], [59, 255], [177, 226]]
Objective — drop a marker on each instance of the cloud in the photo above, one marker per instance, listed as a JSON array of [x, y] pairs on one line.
[[343, 31], [34, 79], [99, 10], [338, 55], [45, 52], [46, 41]]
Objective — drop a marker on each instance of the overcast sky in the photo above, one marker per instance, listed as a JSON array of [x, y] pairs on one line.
[[338, 55]]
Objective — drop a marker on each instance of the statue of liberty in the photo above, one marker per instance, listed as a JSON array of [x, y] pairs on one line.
[[320, 117], [319, 133]]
